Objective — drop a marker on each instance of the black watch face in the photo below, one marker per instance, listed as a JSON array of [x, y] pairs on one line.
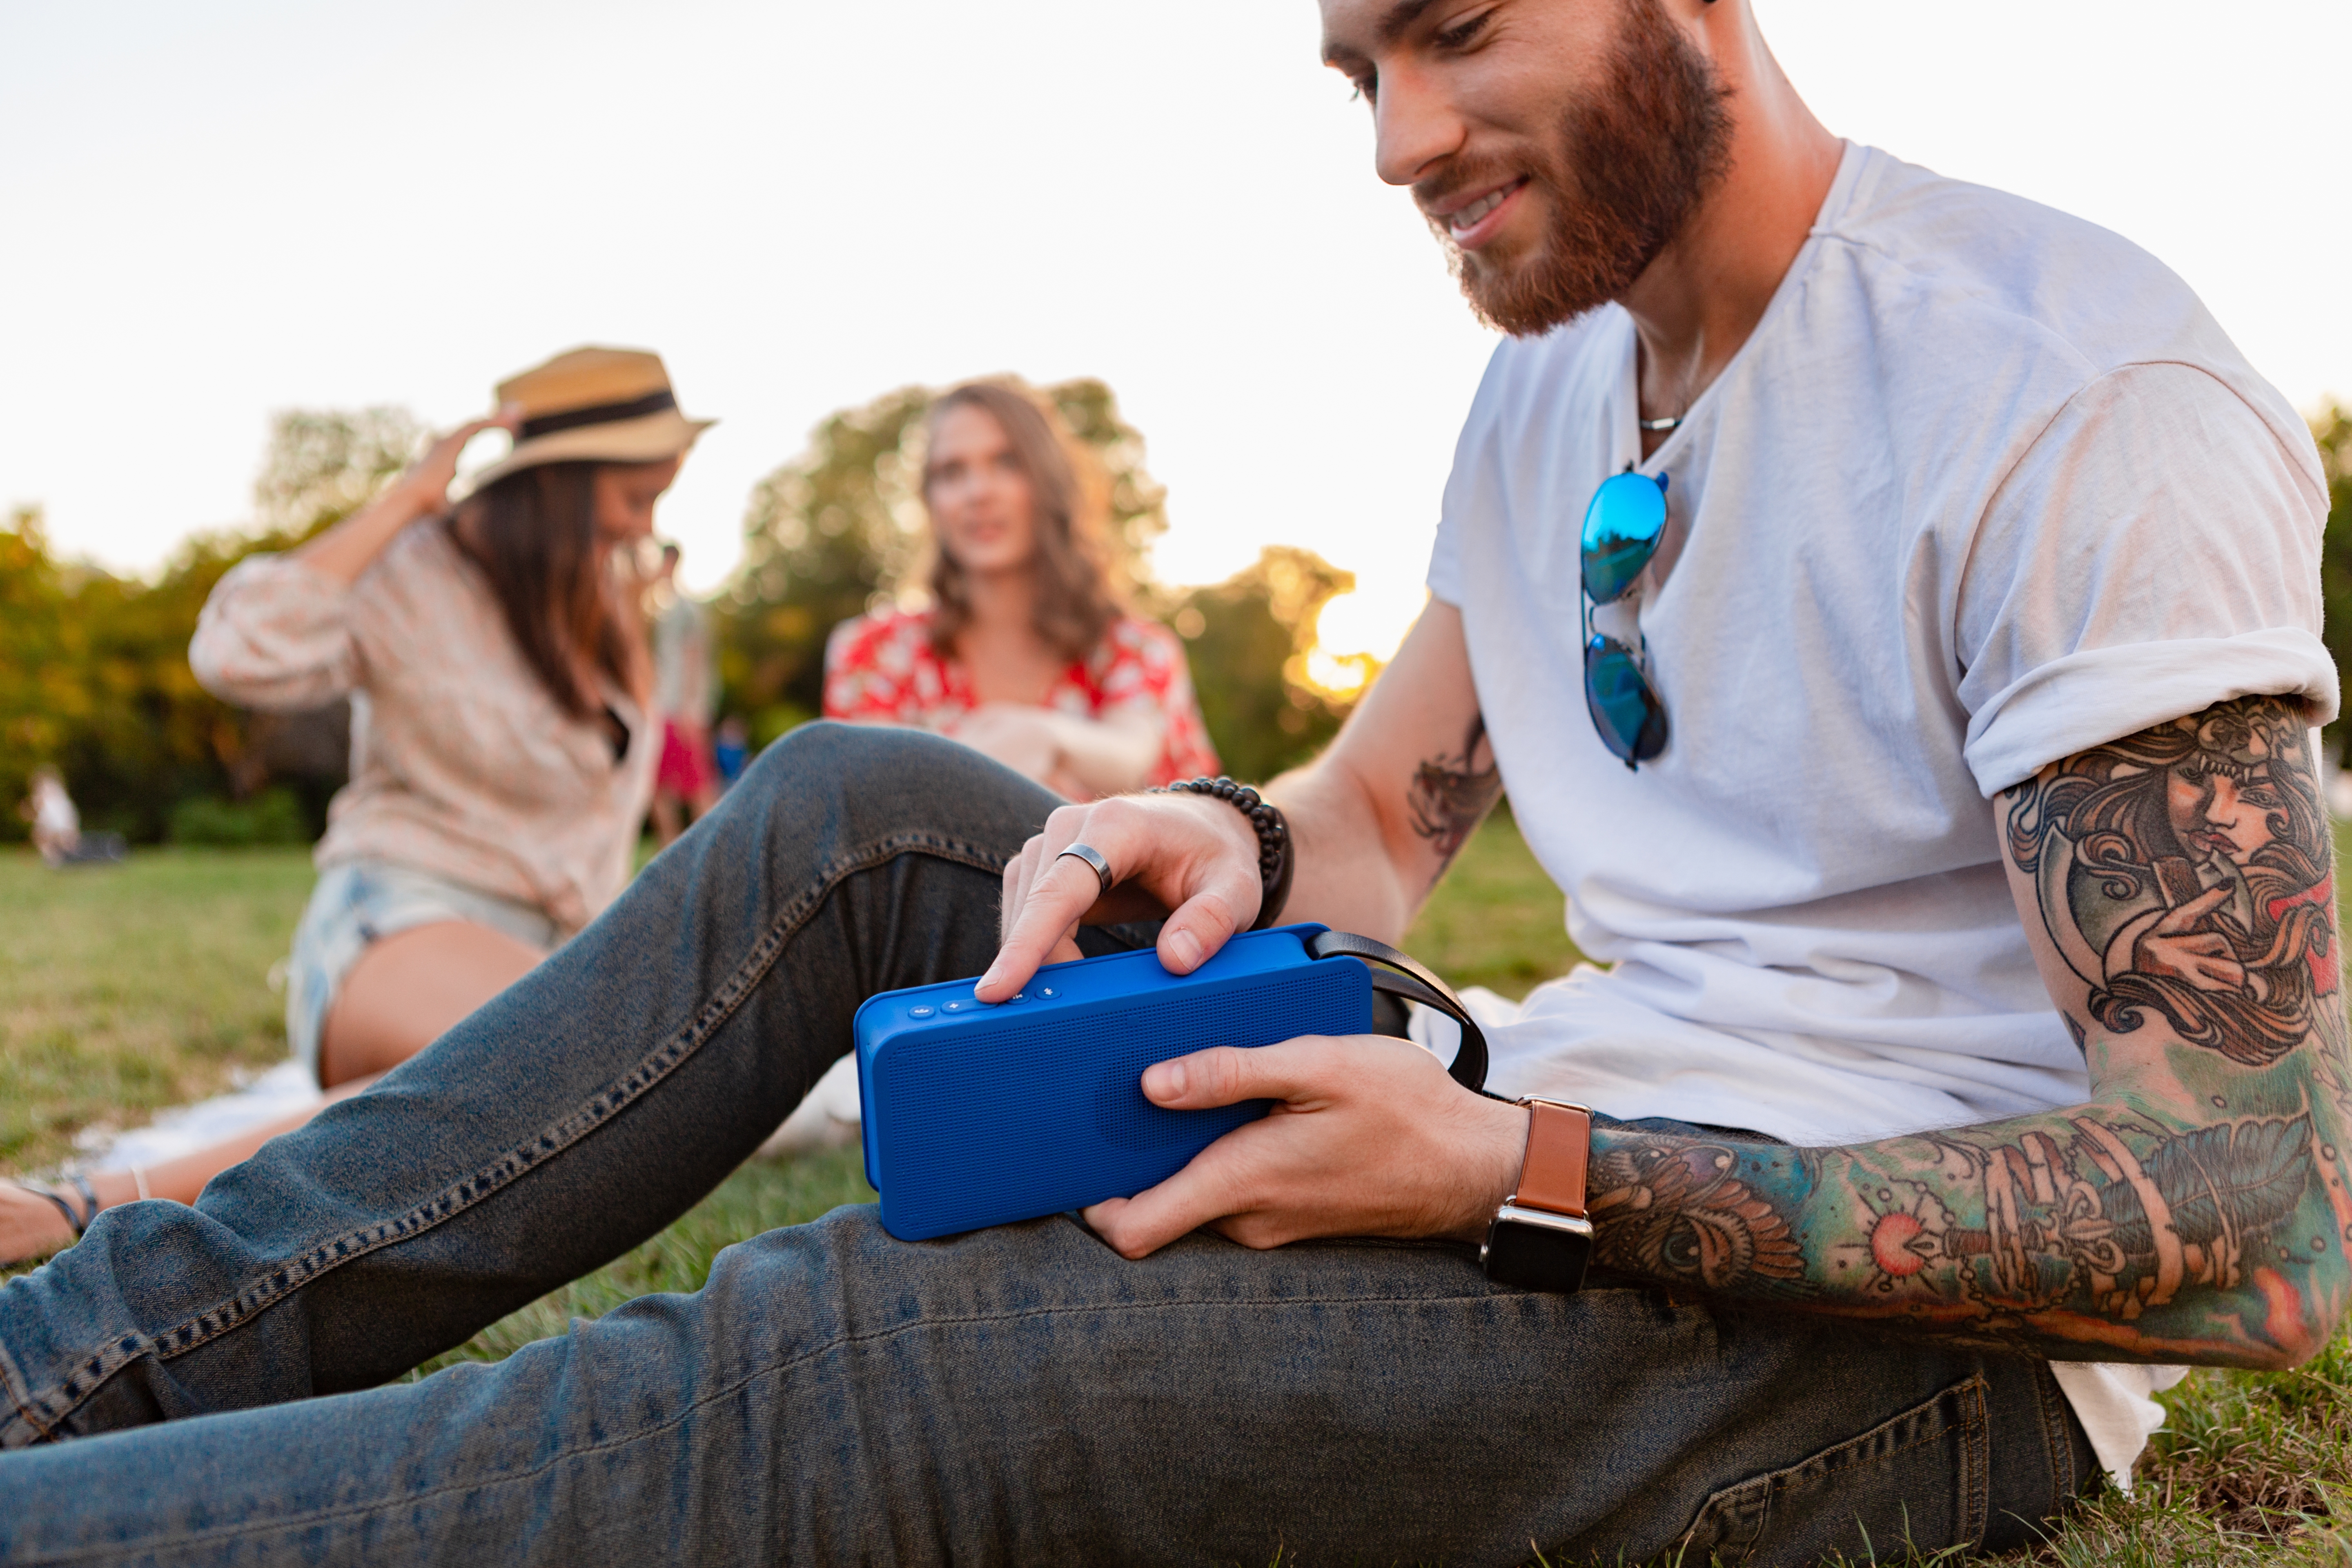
[[1535, 1257]]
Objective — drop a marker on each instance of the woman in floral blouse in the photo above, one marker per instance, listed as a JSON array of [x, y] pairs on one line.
[[1024, 652]]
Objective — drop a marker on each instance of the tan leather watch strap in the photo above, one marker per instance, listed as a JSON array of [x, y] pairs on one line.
[[1560, 1141]]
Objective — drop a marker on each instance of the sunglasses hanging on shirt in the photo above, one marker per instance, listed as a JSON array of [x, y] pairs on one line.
[[1621, 528]]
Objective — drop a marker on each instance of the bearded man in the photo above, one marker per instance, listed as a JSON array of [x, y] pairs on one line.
[[1904, 502]]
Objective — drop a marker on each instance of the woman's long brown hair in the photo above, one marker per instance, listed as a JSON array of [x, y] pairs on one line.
[[533, 536], [1076, 602]]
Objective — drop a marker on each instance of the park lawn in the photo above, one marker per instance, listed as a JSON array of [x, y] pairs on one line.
[[125, 989], [129, 988]]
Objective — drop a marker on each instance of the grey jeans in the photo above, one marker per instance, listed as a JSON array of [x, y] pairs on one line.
[[1019, 1396]]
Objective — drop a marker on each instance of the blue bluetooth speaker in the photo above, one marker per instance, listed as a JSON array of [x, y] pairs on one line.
[[977, 1115]]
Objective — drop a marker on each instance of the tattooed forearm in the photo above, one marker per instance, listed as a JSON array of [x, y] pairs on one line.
[[2178, 889], [1690, 1213], [2054, 1233], [1452, 795]]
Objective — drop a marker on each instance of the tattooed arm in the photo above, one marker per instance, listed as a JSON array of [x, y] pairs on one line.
[[1411, 773], [2177, 890]]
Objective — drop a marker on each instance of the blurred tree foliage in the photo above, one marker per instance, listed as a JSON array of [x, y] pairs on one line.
[[94, 672], [822, 535], [1249, 639], [2333, 431], [43, 653], [841, 529], [324, 465]]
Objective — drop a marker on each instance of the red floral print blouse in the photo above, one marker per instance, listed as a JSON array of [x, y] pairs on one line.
[[882, 666]]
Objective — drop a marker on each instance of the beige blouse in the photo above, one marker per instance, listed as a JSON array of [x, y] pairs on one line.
[[462, 764]]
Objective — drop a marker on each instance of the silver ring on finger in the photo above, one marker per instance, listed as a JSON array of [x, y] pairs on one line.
[[1094, 860]]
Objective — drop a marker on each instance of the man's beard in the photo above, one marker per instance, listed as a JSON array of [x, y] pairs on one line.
[[1629, 167]]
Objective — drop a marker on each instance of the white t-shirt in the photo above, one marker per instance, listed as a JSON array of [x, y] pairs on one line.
[[1986, 486]]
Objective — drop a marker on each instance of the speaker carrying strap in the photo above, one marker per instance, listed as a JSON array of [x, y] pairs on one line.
[[1416, 984]]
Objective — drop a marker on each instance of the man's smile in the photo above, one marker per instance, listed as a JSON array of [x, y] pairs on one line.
[[1473, 220]]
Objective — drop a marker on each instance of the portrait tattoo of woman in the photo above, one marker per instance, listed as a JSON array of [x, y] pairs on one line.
[[2186, 870]]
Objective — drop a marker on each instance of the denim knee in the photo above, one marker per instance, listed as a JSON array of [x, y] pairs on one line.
[[874, 778]]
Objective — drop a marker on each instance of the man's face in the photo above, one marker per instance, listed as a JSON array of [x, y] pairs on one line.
[[1555, 146]]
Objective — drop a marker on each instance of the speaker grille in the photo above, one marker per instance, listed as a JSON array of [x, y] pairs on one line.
[[996, 1120]]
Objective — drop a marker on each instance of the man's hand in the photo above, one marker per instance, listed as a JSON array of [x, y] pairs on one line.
[[1191, 857], [1368, 1137]]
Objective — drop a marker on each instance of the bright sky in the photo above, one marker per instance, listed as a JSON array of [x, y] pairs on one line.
[[217, 211]]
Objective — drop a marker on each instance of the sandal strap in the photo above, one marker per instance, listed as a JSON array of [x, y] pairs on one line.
[[58, 1198], [89, 1200]]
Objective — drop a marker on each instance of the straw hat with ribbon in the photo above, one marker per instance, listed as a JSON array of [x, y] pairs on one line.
[[593, 405]]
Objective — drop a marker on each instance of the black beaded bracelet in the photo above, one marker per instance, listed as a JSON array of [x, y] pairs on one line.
[[1272, 839]]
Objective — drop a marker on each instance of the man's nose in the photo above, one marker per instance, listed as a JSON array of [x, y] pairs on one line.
[[1414, 128]]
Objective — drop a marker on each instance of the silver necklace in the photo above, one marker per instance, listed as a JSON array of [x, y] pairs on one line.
[[1662, 424]]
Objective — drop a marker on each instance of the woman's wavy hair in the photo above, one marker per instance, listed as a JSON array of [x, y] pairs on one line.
[[533, 534], [2110, 802], [1076, 599]]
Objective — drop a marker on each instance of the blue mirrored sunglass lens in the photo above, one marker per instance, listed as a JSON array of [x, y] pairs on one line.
[[1630, 720], [1620, 533]]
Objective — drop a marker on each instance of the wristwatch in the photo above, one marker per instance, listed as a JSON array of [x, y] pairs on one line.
[[1540, 1238]]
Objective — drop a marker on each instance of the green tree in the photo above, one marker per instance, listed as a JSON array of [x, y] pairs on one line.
[[322, 465], [823, 535], [1249, 639], [2333, 431], [41, 668], [94, 674]]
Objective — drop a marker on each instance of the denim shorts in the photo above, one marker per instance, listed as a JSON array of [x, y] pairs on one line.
[[357, 902]]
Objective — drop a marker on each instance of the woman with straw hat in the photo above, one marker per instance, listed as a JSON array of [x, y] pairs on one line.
[[502, 743]]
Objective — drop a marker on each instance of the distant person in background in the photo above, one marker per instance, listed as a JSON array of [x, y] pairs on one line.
[[1026, 653], [57, 825], [685, 693], [731, 747], [503, 743]]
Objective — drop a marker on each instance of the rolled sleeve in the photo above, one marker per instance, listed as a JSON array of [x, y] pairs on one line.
[[2096, 695], [276, 635], [2156, 552], [1444, 578]]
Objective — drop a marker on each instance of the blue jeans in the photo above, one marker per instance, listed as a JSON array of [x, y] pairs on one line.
[[1020, 1394]]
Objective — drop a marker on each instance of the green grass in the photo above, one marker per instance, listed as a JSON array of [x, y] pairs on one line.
[[124, 989], [761, 1196], [1496, 920], [129, 988]]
